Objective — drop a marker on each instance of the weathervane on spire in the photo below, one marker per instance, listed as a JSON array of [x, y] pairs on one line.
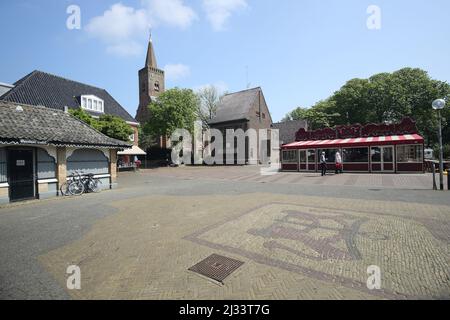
[[150, 31]]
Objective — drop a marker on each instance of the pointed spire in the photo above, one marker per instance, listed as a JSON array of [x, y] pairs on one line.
[[151, 58]]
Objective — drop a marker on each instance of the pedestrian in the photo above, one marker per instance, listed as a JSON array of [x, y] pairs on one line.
[[323, 163], [338, 163]]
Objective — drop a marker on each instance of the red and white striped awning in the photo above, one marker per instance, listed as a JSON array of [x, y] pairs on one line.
[[356, 142]]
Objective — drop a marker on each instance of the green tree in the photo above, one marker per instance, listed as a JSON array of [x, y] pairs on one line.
[[115, 127], [109, 125], [85, 117], [385, 97], [351, 102], [317, 117], [175, 109]]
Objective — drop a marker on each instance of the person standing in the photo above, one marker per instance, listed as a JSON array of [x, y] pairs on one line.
[[338, 163], [323, 163]]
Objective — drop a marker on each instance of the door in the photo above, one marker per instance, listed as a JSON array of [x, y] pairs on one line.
[[382, 159], [302, 161], [311, 160], [21, 174]]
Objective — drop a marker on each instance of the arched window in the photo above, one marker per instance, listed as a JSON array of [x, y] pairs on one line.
[[87, 161], [46, 165]]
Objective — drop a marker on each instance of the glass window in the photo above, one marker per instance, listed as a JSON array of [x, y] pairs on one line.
[[375, 153], [330, 154], [311, 156], [302, 156], [92, 103], [409, 153], [290, 156], [355, 154], [388, 154]]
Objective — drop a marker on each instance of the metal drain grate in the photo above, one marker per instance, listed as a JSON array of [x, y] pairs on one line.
[[216, 267]]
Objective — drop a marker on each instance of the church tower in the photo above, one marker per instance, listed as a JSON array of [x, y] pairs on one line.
[[151, 84]]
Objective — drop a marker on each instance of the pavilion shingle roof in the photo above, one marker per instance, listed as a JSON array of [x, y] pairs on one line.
[[43, 89], [25, 124]]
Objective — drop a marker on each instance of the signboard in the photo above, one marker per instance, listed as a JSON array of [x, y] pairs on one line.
[[20, 163], [407, 126], [24, 141]]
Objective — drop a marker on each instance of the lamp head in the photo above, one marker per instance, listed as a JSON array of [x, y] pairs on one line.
[[438, 104]]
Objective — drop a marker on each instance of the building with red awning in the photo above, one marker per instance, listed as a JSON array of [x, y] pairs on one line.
[[396, 148]]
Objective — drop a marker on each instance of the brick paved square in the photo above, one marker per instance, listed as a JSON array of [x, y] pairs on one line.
[[297, 239]]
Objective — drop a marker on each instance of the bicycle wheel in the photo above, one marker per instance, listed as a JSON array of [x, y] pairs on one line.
[[76, 188], [95, 185], [64, 189]]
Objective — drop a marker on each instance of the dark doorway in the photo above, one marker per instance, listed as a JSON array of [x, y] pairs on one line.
[[21, 175]]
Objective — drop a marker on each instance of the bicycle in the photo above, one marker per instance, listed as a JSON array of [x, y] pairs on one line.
[[91, 184], [80, 184], [73, 186]]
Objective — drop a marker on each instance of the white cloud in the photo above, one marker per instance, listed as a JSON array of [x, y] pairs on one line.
[[121, 27], [117, 28], [219, 11], [171, 12], [118, 23], [176, 71]]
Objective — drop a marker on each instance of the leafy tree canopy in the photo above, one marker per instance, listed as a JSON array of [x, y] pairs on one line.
[[109, 125], [174, 109], [384, 97]]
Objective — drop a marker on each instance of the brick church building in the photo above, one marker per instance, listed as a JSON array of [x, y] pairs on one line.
[[151, 85]]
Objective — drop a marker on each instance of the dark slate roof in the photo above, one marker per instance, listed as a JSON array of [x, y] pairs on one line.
[[44, 89], [40, 125], [289, 129], [235, 106]]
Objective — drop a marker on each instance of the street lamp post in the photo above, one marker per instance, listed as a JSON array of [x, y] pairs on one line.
[[438, 105]]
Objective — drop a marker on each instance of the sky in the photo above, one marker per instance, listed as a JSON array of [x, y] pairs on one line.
[[298, 51]]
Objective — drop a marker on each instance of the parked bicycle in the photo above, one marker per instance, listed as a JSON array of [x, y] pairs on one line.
[[80, 183]]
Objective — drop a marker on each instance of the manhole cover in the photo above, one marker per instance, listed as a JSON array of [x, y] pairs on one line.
[[216, 267]]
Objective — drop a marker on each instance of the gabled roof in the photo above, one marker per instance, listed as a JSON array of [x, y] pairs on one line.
[[288, 129], [43, 89], [25, 124], [235, 106]]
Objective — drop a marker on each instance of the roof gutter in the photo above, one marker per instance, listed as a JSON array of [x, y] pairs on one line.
[[62, 144]]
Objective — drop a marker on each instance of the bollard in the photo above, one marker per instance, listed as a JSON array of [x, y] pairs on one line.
[[448, 180], [433, 168]]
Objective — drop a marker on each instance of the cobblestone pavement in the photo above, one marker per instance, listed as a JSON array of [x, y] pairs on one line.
[[138, 241], [253, 174]]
